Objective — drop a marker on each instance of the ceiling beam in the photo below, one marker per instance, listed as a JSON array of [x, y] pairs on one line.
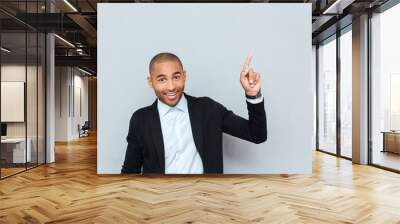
[[83, 61], [86, 26]]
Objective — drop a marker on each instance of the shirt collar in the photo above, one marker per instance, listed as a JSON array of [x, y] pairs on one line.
[[163, 108]]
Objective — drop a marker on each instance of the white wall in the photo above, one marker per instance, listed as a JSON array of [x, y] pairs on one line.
[[212, 41], [68, 81], [80, 84], [15, 73], [18, 73], [61, 103]]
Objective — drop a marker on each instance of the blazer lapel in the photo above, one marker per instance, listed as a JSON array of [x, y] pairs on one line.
[[195, 121], [157, 137]]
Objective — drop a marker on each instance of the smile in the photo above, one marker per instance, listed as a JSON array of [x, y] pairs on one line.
[[171, 96]]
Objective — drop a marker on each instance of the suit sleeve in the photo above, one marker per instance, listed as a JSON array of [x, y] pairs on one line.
[[134, 151], [254, 129]]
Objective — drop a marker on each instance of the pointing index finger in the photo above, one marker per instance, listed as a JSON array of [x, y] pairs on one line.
[[248, 62]]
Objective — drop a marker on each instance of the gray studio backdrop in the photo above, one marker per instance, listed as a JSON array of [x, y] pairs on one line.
[[213, 41]]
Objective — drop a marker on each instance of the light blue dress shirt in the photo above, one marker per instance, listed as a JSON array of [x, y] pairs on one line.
[[180, 152], [181, 155]]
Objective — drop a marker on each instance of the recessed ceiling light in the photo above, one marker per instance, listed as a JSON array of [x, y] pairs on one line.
[[70, 5], [337, 7], [5, 50], [84, 71], [64, 40]]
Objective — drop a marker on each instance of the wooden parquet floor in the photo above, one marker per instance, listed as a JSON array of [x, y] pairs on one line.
[[70, 191]]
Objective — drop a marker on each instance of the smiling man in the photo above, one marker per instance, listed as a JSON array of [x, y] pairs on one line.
[[182, 134]]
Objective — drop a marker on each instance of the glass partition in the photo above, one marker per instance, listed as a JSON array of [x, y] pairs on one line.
[[22, 78], [13, 109]]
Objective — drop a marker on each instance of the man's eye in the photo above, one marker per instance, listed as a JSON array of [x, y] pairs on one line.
[[177, 77], [161, 80]]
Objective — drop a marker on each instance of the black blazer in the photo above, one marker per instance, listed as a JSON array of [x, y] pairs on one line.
[[208, 119]]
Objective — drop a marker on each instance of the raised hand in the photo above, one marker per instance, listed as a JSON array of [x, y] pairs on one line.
[[250, 79]]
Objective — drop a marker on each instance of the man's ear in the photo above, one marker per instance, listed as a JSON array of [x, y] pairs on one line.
[[184, 74], [149, 82]]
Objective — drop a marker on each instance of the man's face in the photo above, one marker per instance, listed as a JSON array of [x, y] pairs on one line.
[[168, 78]]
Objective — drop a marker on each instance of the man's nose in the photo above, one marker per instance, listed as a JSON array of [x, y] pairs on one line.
[[171, 85]]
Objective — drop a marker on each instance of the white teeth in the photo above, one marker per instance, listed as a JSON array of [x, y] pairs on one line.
[[171, 96]]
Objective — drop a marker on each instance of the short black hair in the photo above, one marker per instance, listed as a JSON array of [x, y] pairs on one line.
[[162, 57]]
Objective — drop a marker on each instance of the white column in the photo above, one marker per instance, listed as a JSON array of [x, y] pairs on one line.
[[50, 110], [50, 92], [360, 90]]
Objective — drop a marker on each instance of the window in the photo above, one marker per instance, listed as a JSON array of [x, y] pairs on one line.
[[327, 96], [346, 93], [385, 88]]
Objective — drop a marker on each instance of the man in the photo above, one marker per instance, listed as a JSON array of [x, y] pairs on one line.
[[182, 134]]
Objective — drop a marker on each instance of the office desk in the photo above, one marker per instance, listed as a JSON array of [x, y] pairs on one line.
[[13, 150], [391, 141]]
